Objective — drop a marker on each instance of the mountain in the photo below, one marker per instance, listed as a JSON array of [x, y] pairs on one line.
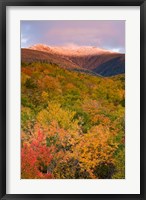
[[29, 55], [85, 59], [112, 67]]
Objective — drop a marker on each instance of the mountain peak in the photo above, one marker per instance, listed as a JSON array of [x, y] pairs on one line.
[[39, 47], [71, 50], [90, 58]]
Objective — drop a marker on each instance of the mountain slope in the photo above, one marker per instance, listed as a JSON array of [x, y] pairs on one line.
[[112, 67], [29, 56], [80, 118], [98, 61]]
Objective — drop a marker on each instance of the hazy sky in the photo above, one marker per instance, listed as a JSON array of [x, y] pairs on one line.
[[109, 34]]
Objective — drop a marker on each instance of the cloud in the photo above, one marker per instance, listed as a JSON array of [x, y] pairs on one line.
[[94, 33], [98, 33], [71, 45], [78, 36], [24, 40]]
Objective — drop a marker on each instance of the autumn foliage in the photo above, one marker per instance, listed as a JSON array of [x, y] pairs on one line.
[[72, 124], [35, 158]]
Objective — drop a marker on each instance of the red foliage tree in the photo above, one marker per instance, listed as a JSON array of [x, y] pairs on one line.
[[35, 158]]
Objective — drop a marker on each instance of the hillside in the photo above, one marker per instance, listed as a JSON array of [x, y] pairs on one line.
[[100, 61], [72, 123], [111, 67], [29, 56]]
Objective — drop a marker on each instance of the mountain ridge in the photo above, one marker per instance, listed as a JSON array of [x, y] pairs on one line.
[[71, 50], [97, 60]]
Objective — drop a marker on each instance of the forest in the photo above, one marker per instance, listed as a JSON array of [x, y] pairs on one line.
[[72, 124]]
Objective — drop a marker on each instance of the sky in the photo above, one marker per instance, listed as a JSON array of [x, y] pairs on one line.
[[107, 34]]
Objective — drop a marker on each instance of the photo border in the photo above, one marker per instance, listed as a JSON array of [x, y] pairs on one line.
[[3, 166]]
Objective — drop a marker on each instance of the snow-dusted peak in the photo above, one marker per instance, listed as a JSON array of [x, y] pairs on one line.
[[70, 50], [40, 47]]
